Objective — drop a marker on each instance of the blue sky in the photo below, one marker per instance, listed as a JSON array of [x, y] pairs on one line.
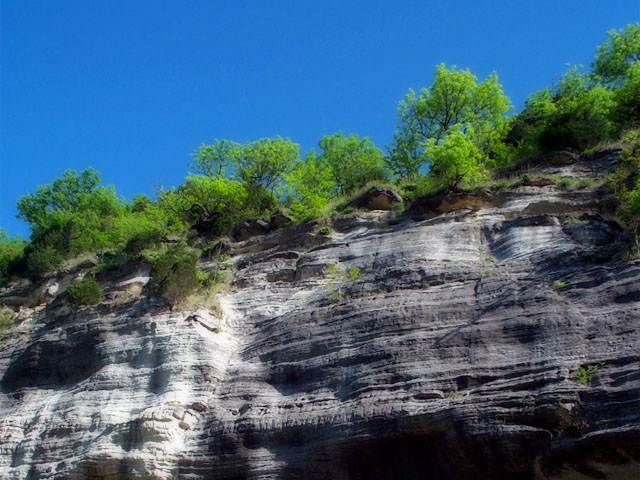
[[133, 87]]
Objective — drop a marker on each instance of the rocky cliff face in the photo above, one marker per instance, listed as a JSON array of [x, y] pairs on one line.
[[491, 335]]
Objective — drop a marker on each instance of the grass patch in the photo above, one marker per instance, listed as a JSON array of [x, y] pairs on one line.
[[578, 183], [627, 139]]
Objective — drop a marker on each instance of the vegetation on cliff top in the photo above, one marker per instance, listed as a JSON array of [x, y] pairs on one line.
[[451, 135]]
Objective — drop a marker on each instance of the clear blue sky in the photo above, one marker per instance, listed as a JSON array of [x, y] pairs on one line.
[[133, 87]]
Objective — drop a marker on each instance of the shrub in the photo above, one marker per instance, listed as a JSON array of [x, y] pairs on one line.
[[85, 292], [625, 181], [5, 318], [214, 205], [338, 281], [42, 260], [559, 283], [12, 256], [174, 274], [141, 241], [353, 273], [585, 373], [575, 131]]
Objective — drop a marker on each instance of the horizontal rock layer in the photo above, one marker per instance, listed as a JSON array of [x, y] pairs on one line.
[[493, 336]]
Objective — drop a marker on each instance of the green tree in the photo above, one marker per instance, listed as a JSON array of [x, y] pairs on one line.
[[310, 185], [617, 64], [351, 161], [626, 184], [625, 113], [455, 98], [581, 111], [265, 161], [12, 251], [214, 160], [211, 204], [574, 114], [456, 161], [618, 54], [74, 214], [63, 194]]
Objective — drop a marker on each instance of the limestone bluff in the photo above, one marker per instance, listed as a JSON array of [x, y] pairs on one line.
[[485, 335]]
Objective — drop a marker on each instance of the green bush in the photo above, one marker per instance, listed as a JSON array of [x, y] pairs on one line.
[[142, 241], [338, 281], [174, 274], [353, 273], [585, 373], [5, 318], [213, 205], [85, 292], [42, 260], [625, 182], [559, 283], [12, 257], [576, 131]]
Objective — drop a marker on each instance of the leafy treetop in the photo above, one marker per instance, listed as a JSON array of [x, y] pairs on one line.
[[455, 99], [263, 162], [64, 193], [618, 54]]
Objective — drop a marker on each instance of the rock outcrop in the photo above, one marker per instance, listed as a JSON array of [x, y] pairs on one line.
[[495, 339]]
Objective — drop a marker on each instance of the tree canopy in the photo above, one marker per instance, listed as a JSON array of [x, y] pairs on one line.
[[352, 161], [456, 161], [618, 54], [65, 193], [454, 99], [259, 163], [450, 135], [214, 160], [210, 203]]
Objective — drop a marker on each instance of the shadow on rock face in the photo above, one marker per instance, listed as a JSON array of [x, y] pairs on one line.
[[441, 451], [54, 363]]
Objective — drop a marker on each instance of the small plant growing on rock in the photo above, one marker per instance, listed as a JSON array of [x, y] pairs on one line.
[[5, 318], [586, 372], [625, 182], [559, 284], [85, 292], [338, 279], [325, 230], [353, 273]]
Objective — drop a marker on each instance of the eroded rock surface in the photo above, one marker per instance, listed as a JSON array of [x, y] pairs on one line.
[[450, 346]]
